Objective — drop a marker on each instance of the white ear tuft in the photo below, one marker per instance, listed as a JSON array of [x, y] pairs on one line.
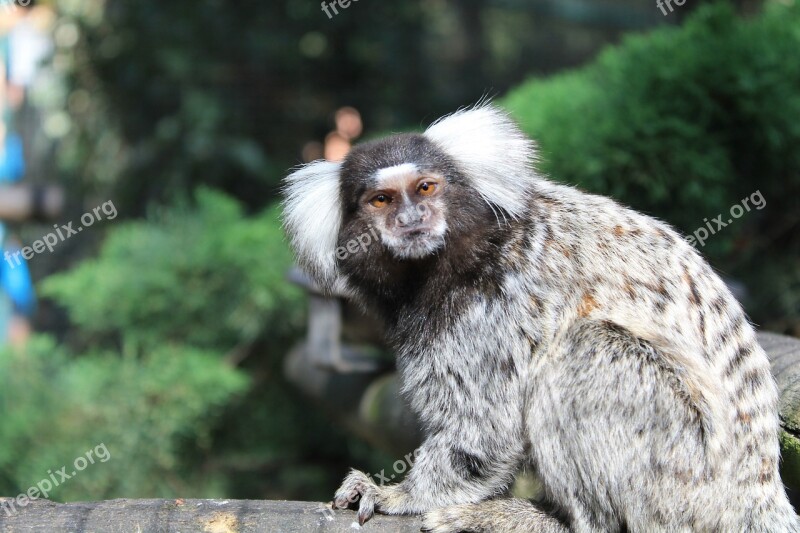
[[312, 217], [493, 152]]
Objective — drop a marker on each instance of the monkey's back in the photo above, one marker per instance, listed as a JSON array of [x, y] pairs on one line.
[[609, 266]]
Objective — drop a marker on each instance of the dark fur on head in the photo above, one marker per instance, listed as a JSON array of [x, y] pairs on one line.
[[471, 240], [486, 165]]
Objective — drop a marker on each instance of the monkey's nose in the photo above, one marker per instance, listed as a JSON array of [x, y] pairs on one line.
[[407, 219], [415, 215]]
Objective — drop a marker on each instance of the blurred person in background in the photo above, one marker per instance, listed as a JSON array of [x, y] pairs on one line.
[[17, 297], [23, 45], [12, 162], [348, 129]]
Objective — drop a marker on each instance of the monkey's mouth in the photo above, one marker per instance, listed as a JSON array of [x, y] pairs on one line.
[[415, 243], [416, 232]]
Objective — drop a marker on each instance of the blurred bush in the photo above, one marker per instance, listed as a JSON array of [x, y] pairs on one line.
[[683, 123], [205, 276], [58, 407], [182, 322]]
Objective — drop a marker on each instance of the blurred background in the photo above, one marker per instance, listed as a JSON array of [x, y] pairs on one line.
[[174, 331]]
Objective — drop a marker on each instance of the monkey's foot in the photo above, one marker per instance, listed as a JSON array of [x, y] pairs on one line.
[[357, 487], [506, 515], [452, 519]]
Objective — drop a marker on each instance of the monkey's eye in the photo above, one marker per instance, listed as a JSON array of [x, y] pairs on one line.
[[380, 201], [426, 188]]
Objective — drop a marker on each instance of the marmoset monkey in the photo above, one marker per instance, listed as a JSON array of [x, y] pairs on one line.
[[538, 325]]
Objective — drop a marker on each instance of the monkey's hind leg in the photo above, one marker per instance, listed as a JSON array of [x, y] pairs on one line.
[[503, 515]]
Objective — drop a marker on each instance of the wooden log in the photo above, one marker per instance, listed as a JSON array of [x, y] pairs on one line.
[[183, 516], [784, 356]]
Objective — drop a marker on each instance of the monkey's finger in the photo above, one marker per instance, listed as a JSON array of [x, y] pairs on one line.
[[343, 499], [364, 515], [366, 508]]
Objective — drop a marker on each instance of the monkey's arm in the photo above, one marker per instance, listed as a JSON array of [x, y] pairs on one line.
[[443, 474], [470, 399]]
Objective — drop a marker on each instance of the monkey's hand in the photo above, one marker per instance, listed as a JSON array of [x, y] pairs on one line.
[[358, 487]]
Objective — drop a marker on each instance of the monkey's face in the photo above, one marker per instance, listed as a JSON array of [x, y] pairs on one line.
[[407, 209], [397, 192], [398, 208]]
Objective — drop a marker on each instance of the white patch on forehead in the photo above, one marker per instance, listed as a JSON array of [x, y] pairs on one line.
[[390, 174]]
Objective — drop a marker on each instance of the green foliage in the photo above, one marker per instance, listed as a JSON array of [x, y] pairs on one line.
[[141, 409], [183, 321], [205, 276], [683, 123]]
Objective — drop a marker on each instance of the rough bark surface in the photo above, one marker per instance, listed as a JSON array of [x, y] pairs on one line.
[[193, 516], [784, 355]]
